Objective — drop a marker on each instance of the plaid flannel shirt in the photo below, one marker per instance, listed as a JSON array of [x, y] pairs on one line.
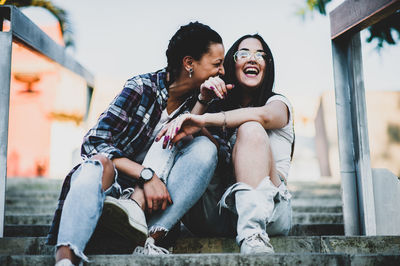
[[124, 129]]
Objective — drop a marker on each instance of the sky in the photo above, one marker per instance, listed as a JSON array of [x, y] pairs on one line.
[[123, 38]]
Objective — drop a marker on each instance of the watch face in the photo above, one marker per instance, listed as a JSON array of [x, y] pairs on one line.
[[147, 174]]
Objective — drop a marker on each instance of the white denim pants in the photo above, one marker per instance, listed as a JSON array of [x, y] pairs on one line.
[[265, 209]]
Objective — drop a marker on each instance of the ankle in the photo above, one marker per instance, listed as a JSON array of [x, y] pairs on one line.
[[64, 252], [138, 196], [158, 235]]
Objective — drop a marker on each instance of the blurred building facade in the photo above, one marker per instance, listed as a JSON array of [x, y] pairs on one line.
[[48, 104], [383, 109]]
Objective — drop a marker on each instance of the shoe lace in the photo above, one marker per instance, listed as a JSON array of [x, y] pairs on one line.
[[255, 239], [151, 249], [126, 193]]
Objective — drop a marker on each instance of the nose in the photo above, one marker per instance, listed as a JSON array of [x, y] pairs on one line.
[[252, 57], [221, 71]]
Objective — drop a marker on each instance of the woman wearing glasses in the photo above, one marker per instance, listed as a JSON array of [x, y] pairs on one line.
[[259, 128], [116, 155]]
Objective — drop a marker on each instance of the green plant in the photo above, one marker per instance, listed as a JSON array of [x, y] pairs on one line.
[[382, 31], [60, 14]]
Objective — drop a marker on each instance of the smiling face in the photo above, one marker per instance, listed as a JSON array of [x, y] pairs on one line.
[[250, 71], [210, 64]]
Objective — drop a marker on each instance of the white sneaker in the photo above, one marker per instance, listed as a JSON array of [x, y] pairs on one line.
[[64, 262], [150, 249], [124, 217], [257, 243]]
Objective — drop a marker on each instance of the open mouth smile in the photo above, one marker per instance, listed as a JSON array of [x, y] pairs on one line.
[[251, 71]]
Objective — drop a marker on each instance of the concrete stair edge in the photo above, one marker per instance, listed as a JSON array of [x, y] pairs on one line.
[[217, 259], [191, 245]]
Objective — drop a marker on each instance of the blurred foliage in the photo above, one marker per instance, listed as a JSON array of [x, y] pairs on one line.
[[394, 133], [60, 14], [382, 31]]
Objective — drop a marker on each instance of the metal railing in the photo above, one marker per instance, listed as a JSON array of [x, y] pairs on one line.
[[25, 32], [347, 20]]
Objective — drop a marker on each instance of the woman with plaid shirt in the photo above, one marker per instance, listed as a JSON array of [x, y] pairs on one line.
[[116, 148]]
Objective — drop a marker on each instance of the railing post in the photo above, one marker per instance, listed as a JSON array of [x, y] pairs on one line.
[[354, 155], [5, 76]]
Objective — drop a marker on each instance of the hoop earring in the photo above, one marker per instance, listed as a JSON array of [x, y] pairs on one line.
[[190, 72]]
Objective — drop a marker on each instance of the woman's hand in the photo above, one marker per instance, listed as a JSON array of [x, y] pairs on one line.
[[156, 195], [182, 126], [214, 86]]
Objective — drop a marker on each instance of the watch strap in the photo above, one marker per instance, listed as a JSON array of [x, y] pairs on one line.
[[203, 102]]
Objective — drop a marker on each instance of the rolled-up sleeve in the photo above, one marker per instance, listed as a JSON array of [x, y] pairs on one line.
[[113, 124]]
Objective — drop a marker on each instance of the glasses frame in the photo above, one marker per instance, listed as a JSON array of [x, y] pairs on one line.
[[251, 54]]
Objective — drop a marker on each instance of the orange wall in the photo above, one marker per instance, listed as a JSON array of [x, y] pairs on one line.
[[29, 118]]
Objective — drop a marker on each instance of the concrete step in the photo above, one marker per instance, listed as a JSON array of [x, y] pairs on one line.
[[297, 230], [25, 219], [26, 230], [31, 210], [215, 259], [316, 218], [31, 202], [16, 184], [298, 244], [317, 229], [20, 183], [317, 209], [298, 218], [49, 198], [323, 183], [331, 202], [388, 245], [317, 203], [298, 207]]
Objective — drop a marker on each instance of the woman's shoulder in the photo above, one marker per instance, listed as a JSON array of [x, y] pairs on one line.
[[282, 98], [279, 97], [147, 82]]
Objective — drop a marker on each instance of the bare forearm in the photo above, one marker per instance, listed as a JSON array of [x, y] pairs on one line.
[[234, 118], [128, 167], [199, 109]]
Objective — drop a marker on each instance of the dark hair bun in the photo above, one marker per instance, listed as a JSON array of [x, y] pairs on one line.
[[193, 40]]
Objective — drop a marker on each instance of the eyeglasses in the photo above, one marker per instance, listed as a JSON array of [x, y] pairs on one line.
[[246, 55]]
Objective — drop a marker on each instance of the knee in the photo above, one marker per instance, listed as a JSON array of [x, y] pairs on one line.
[[252, 132], [108, 166], [205, 151]]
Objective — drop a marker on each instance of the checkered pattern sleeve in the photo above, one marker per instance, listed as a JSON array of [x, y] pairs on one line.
[[114, 123]]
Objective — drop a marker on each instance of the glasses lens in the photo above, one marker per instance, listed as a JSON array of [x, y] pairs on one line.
[[242, 54], [259, 56], [246, 55]]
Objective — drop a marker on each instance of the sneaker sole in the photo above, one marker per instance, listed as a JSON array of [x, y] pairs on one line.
[[114, 217]]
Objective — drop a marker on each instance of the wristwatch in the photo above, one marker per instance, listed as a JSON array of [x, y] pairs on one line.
[[146, 175], [203, 102]]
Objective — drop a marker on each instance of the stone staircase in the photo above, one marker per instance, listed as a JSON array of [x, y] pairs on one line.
[[317, 236]]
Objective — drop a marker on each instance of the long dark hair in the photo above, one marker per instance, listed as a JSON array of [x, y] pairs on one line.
[[264, 92], [193, 39]]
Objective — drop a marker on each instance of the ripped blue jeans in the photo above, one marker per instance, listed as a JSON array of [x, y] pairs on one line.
[[188, 178]]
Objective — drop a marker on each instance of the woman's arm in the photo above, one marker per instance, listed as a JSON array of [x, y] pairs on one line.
[[209, 89], [154, 190], [272, 115]]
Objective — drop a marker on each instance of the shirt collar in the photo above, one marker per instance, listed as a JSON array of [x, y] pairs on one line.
[[162, 91]]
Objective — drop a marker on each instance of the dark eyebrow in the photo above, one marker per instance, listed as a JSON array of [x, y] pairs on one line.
[[246, 49]]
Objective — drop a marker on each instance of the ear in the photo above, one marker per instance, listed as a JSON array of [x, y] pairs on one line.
[[188, 62]]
